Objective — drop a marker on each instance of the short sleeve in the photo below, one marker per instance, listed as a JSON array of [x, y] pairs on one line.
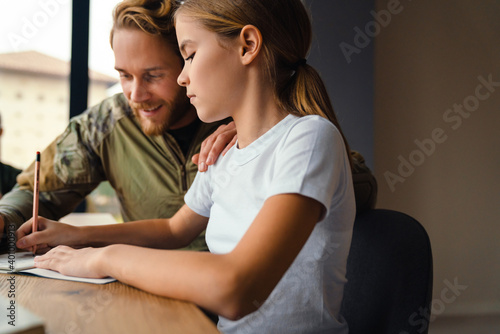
[[311, 161], [199, 196]]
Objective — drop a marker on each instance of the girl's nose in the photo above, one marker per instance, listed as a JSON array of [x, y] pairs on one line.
[[183, 79]]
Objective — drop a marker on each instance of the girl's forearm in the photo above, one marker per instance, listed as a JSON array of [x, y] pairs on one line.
[[147, 233], [200, 277], [176, 232]]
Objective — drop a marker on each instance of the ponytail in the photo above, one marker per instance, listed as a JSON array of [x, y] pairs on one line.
[[305, 94]]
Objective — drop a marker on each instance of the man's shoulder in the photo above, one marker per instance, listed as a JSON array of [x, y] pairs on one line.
[[110, 109], [102, 118], [96, 123]]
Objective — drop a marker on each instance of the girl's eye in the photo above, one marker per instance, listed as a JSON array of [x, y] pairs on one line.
[[190, 58]]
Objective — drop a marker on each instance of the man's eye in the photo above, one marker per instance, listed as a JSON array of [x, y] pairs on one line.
[[151, 77]]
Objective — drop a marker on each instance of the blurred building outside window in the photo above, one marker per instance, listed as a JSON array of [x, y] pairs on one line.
[[35, 54]]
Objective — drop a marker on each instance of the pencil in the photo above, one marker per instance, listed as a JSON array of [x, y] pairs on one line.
[[35, 196]]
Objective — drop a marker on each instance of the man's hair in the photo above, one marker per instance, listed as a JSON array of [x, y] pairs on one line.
[[154, 17]]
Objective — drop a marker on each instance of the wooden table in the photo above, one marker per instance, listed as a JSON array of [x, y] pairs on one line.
[[76, 308]]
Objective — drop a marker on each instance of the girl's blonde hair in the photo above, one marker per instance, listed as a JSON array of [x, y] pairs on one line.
[[286, 33]]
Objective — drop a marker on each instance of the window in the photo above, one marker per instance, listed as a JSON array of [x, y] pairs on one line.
[[104, 80], [34, 53]]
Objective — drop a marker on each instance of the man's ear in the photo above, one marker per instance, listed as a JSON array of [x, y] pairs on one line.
[[251, 43]]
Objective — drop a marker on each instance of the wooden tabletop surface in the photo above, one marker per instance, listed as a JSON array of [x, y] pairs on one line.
[[78, 308]]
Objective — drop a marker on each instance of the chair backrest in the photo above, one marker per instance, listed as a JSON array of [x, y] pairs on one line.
[[389, 273]]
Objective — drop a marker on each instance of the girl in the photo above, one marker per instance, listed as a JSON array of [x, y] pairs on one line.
[[278, 208]]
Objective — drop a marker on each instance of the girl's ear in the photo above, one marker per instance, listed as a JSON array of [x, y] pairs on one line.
[[251, 43]]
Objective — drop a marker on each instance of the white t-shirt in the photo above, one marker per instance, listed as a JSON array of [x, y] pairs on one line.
[[306, 156]]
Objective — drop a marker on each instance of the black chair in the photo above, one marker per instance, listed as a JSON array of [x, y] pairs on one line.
[[389, 273]]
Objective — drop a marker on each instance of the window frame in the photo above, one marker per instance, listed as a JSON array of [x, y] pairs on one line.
[[79, 73]]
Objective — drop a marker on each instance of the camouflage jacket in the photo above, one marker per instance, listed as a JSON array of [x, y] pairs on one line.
[[149, 173]]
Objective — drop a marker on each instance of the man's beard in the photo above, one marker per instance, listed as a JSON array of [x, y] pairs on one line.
[[176, 109]]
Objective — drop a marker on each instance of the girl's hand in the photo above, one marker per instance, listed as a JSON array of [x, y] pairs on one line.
[[83, 262], [49, 235]]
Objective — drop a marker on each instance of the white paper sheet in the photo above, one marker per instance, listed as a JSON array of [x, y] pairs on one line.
[[23, 263]]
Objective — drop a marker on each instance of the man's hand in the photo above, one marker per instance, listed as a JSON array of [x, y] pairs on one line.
[[214, 145], [49, 235]]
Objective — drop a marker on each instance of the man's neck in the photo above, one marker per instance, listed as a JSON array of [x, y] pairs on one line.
[[188, 118], [185, 135]]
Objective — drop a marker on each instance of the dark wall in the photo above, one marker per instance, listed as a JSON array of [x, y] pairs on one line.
[[344, 58]]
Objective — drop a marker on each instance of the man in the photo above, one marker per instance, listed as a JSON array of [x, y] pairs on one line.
[[7, 173], [141, 141]]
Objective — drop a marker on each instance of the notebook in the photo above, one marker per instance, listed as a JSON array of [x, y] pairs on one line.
[[23, 263]]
